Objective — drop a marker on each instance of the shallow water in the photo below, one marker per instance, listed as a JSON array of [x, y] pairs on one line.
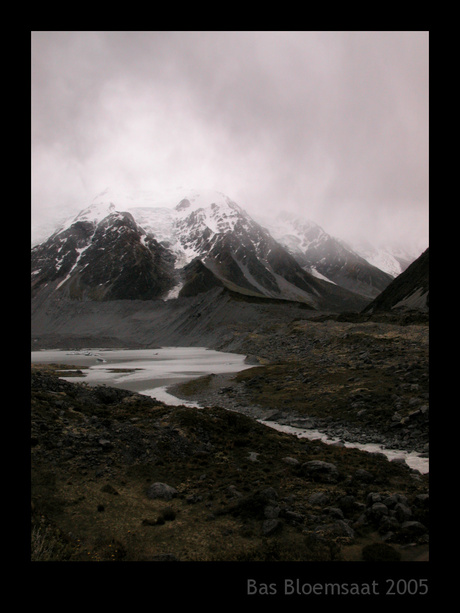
[[412, 459], [147, 371]]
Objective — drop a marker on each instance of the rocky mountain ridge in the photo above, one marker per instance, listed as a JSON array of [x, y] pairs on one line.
[[104, 253], [329, 258]]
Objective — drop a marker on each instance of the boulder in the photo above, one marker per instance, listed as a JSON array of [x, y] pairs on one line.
[[402, 512], [291, 461], [339, 528], [162, 491], [378, 510], [413, 529], [319, 499], [324, 472], [363, 476], [271, 526]]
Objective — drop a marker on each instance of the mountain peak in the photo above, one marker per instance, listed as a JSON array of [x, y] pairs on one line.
[[284, 260], [183, 204], [136, 246]]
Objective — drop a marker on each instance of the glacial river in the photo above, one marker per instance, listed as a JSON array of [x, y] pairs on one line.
[[153, 371], [146, 371]]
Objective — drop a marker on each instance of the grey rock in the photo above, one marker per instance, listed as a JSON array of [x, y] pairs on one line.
[[105, 444], [318, 470], [392, 500], [388, 524], [334, 512], [361, 521], [340, 528], [233, 491], [193, 499], [271, 526], [373, 497], [291, 461], [422, 500], [292, 516], [271, 511], [269, 493], [319, 499], [413, 528], [363, 476], [162, 491], [400, 460], [378, 510], [402, 512], [347, 503]]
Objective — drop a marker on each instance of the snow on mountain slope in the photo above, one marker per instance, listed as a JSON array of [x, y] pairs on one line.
[[178, 218], [295, 232], [392, 259], [408, 291], [328, 258], [300, 236], [129, 246]]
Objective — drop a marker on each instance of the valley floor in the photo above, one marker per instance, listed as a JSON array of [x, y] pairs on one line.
[[121, 477]]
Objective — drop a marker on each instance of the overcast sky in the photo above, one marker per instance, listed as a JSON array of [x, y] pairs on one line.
[[329, 125]]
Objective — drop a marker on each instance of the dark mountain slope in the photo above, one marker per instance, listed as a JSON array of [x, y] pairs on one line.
[[109, 261], [322, 254], [410, 290]]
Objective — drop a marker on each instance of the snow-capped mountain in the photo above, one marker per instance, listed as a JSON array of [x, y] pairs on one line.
[[329, 258], [102, 255], [143, 247], [392, 259]]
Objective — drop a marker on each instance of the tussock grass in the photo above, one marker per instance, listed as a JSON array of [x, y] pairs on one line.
[[47, 544]]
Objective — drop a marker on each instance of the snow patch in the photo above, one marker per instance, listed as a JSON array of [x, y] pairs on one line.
[[168, 223], [80, 251], [312, 270], [174, 292]]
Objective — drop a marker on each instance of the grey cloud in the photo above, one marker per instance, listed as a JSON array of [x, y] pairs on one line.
[[318, 122]]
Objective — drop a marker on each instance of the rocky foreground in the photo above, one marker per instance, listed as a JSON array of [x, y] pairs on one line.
[[117, 476]]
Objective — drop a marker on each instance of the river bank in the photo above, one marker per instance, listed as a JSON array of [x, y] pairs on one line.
[[361, 381], [161, 373], [227, 392]]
